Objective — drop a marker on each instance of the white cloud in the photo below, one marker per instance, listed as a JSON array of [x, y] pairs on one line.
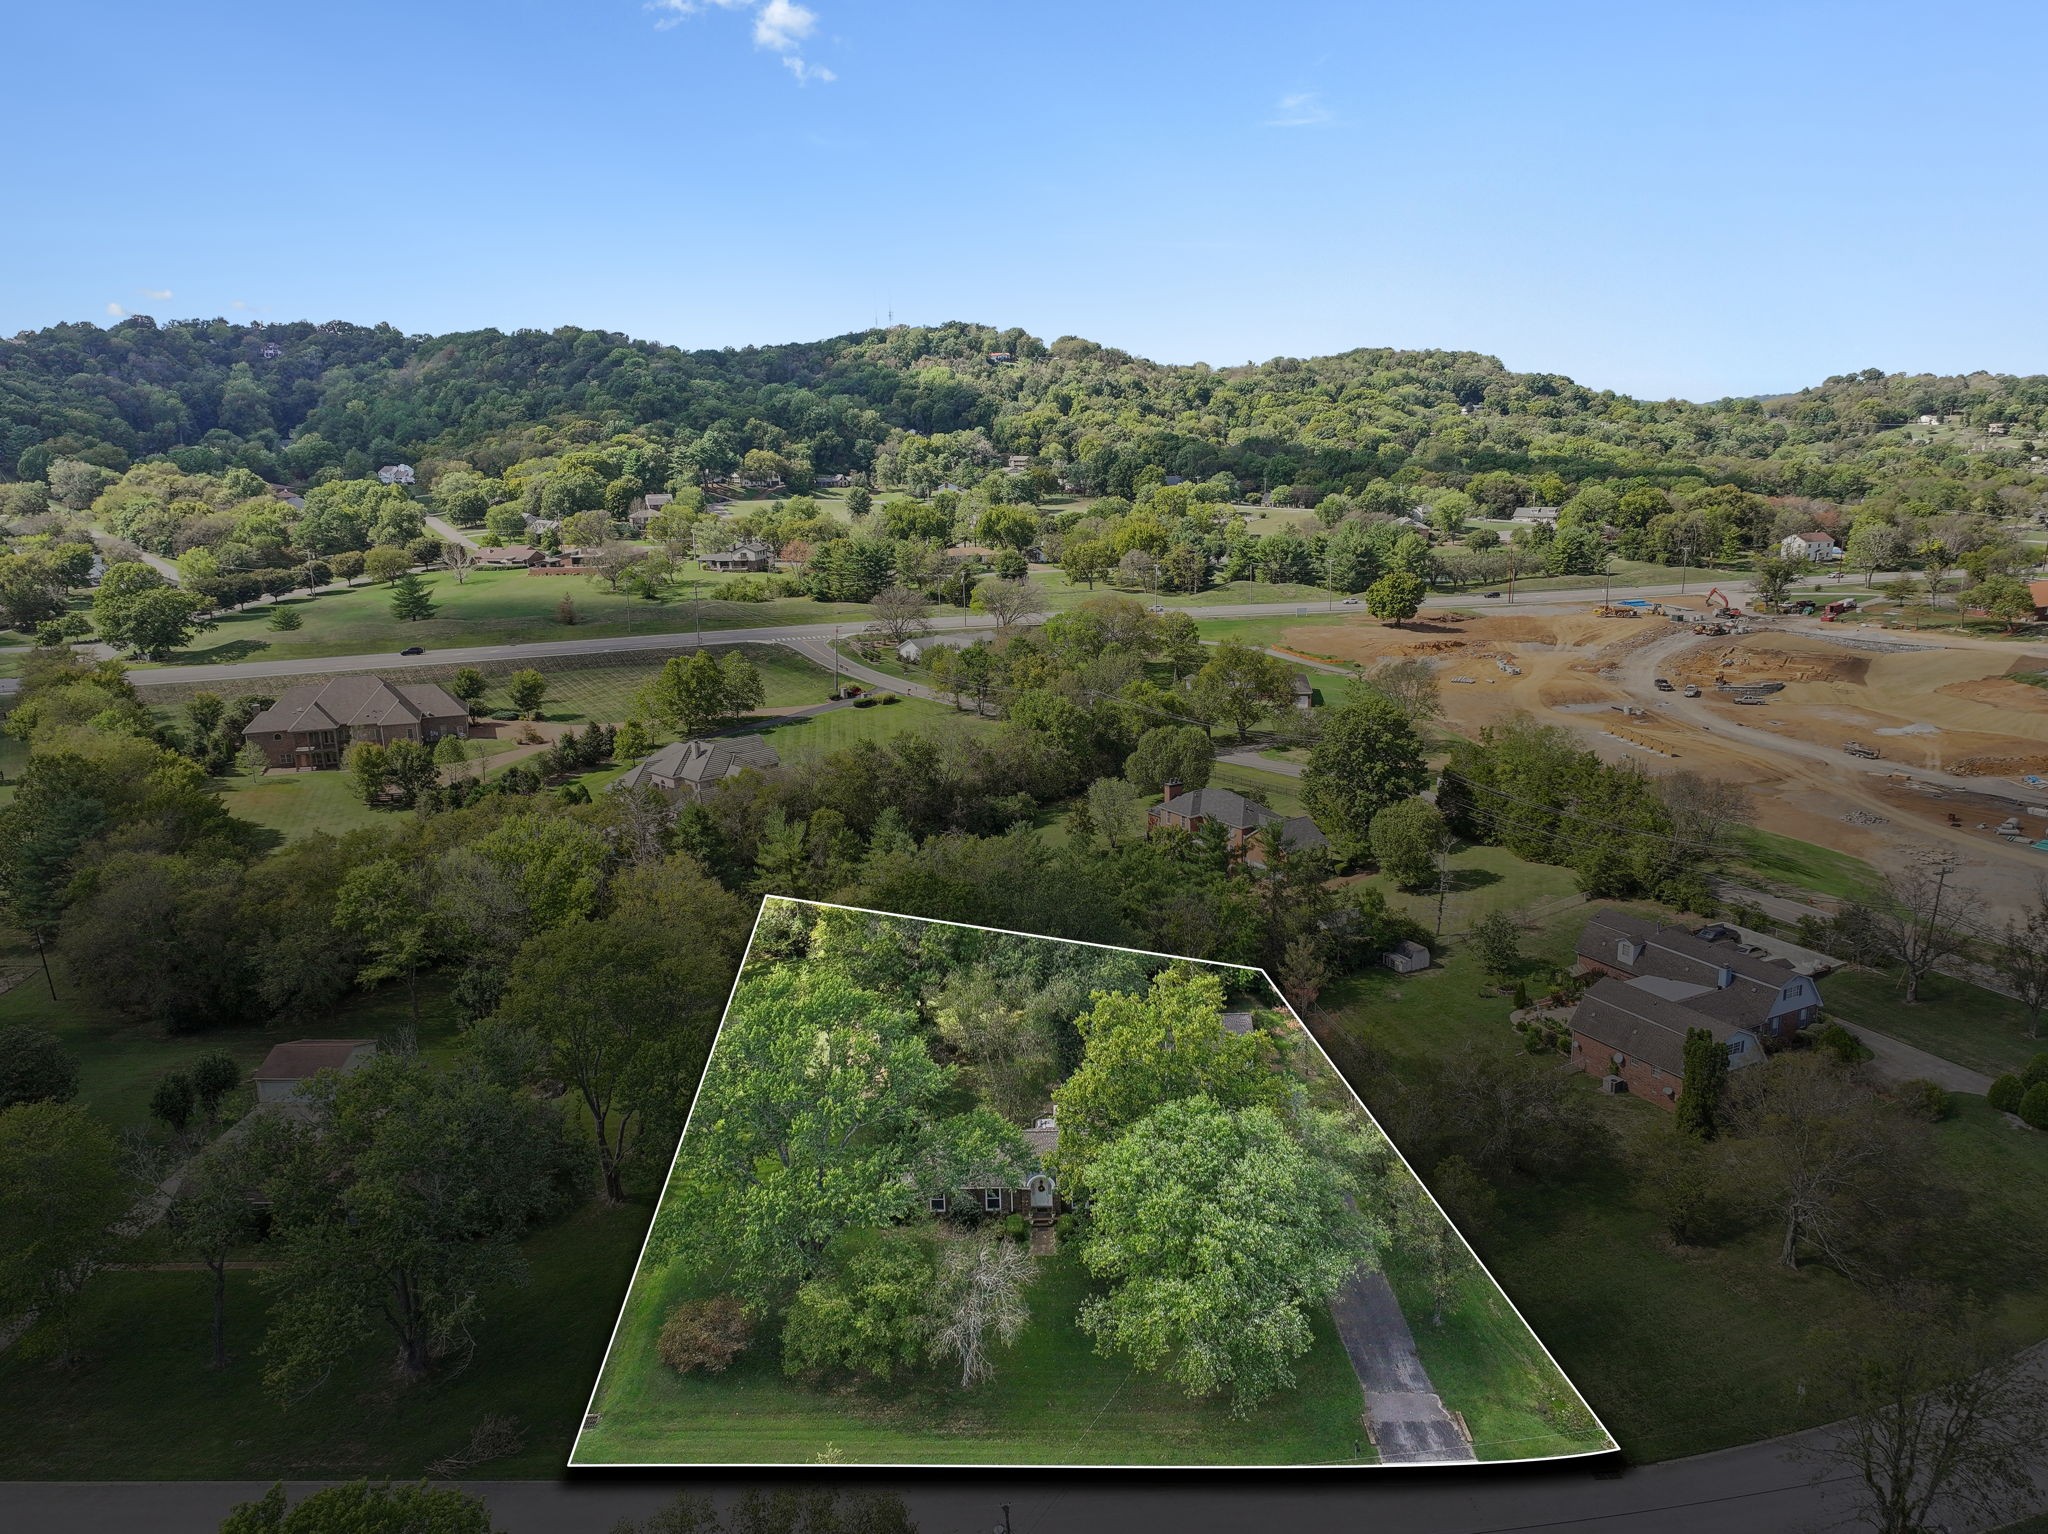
[[155, 292], [781, 27], [1301, 109], [116, 311], [238, 304]]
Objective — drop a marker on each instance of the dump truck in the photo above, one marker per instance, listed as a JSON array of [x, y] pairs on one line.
[[1857, 748]]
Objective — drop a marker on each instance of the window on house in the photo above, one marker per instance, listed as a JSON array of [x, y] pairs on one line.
[[992, 1200], [938, 1203], [1737, 1046]]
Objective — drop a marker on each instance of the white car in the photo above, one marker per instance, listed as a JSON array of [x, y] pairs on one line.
[[1349, 602]]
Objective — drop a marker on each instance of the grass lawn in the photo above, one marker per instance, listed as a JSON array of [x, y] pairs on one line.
[[817, 734], [1803, 865], [1953, 1019], [1586, 1260], [1053, 1400], [145, 1405], [1275, 791], [296, 804], [1483, 879], [1487, 1367], [492, 607]]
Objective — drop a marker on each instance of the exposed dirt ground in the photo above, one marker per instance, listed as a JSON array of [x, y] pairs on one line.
[[1955, 731]]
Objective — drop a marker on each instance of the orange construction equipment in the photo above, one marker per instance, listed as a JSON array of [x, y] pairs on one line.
[[1728, 608]]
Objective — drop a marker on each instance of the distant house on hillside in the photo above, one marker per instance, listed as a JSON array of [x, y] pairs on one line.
[[508, 555], [314, 724], [649, 507], [1998, 429], [1534, 514], [395, 474], [689, 767], [1242, 820], [741, 558], [1657, 982], [285, 1071], [1817, 546]]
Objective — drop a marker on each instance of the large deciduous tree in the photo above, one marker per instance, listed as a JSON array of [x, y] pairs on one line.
[[1218, 1234], [1366, 758], [397, 1207], [1242, 684], [60, 1192]]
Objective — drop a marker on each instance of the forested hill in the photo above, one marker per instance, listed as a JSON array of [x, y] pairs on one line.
[[289, 401]]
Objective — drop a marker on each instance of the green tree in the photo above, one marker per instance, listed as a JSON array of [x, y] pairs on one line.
[[1085, 561], [213, 1215], [1367, 757], [869, 1314], [1775, 578], [689, 694], [410, 602], [1220, 1237], [60, 1192], [363, 1508], [1703, 1095], [388, 907], [814, 1084], [284, 618], [1139, 1051], [1170, 753], [1497, 939], [1241, 685], [385, 563], [1395, 597], [34, 1068], [1405, 837], [397, 1207], [527, 689]]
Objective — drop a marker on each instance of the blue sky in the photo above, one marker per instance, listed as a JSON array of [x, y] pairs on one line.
[[1659, 197]]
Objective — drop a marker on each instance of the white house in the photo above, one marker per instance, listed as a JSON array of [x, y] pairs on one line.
[[1816, 546], [395, 474], [1534, 514]]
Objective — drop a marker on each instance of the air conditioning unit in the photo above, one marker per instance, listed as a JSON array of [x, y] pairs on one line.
[[1613, 1084]]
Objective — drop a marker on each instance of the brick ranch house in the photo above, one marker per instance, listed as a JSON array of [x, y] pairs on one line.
[[1656, 982], [314, 724], [1036, 1197], [1242, 819]]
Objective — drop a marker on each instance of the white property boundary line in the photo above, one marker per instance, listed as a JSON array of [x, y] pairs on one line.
[[865, 1465]]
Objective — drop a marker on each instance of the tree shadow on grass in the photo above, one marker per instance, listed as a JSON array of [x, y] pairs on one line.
[[1464, 880], [220, 654]]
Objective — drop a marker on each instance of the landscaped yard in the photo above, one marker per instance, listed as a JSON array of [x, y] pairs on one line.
[[1803, 866]]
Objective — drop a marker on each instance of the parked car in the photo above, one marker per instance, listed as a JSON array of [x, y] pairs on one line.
[[1349, 602], [1691, 691], [1156, 607], [413, 649], [1664, 685]]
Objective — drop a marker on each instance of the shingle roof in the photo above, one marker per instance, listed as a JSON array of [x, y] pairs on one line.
[[702, 761], [1225, 806], [355, 701], [302, 1058], [1671, 954], [1641, 1025]]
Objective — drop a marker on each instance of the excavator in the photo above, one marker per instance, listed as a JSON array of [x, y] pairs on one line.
[[1717, 600]]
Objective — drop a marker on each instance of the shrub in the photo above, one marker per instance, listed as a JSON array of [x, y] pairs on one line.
[[1066, 1227], [2034, 1106], [1833, 1039], [2036, 1071], [887, 697], [1521, 995], [34, 1068], [2006, 1092], [1015, 1227], [1927, 1100], [705, 1334], [863, 702]]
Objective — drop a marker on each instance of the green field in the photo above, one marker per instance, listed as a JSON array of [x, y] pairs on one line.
[[492, 607], [1953, 1019], [1803, 866], [1053, 1400]]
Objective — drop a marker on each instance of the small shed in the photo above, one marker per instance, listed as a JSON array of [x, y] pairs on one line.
[[1237, 1022], [1304, 691], [285, 1071], [1406, 957]]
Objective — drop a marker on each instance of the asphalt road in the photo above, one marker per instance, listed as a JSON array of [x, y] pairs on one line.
[[327, 665]]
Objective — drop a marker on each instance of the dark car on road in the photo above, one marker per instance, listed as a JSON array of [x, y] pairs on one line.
[[412, 649]]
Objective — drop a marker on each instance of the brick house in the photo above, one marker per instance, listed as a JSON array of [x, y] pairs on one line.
[[1658, 981], [1242, 820], [314, 724], [1037, 1196]]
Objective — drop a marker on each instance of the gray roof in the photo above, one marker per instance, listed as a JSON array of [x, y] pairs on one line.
[[698, 762], [1641, 1025], [1237, 1022], [355, 701], [1670, 954], [1229, 808]]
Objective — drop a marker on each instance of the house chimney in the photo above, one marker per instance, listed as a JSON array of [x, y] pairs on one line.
[[1172, 790], [1726, 979]]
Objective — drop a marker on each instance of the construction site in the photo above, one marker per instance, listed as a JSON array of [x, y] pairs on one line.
[[1850, 736]]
